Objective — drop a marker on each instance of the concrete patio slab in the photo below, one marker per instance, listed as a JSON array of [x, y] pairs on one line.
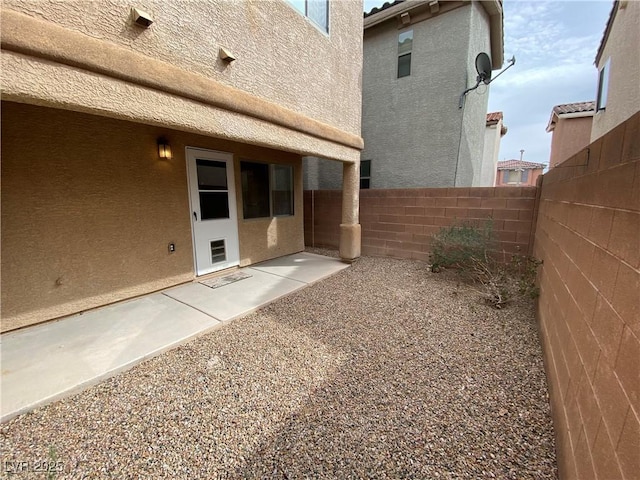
[[46, 362], [303, 267], [236, 299]]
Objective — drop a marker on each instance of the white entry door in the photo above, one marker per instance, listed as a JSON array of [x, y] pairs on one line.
[[213, 210]]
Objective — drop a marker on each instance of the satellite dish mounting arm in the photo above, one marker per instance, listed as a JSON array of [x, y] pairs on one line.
[[483, 67]]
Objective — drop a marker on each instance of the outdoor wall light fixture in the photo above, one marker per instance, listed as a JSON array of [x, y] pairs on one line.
[[164, 149]]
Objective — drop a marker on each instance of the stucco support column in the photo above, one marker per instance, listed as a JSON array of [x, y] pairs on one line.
[[350, 235]]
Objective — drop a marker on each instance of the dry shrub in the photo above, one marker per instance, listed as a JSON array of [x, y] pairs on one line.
[[468, 248]]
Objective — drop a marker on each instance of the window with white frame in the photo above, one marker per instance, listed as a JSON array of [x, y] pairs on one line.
[[603, 85], [315, 10], [405, 45], [267, 190]]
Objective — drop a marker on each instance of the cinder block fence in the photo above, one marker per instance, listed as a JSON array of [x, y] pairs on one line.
[[400, 223], [588, 235]]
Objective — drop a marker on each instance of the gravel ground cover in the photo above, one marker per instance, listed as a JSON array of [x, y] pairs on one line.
[[383, 371]]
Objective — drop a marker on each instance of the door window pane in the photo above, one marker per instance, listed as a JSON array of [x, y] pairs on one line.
[[211, 175], [282, 193], [255, 189], [214, 205]]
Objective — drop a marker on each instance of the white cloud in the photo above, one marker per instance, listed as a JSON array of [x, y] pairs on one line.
[[555, 44]]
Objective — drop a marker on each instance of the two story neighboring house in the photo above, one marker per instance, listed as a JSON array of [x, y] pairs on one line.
[[419, 56], [570, 127], [146, 144], [576, 125]]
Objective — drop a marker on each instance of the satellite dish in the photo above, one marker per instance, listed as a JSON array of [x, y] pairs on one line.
[[483, 67]]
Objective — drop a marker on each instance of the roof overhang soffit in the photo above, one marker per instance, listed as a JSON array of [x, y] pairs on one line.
[[556, 116], [496, 31]]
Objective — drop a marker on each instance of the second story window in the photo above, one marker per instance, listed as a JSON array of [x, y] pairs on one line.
[[315, 10], [603, 86], [405, 44], [516, 176]]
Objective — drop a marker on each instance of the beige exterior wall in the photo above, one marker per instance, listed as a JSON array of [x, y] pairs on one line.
[[273, 59], [91, 58], [624, 89], [570, 135], [88, 211]]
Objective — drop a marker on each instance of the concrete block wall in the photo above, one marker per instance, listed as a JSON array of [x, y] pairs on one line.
[[588, 235], [400, 223]]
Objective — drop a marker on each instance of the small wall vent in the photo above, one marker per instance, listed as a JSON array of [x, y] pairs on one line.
[[218, 251]]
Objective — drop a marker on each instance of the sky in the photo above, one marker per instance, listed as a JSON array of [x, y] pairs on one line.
[[555, 45]]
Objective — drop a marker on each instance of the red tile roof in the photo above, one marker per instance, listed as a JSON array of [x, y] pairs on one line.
[[494, 117], [584, 108], [577, 107], [514, 164], [386, 5]]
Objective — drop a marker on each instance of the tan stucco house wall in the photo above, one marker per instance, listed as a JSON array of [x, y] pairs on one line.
[[619, 53], [570, 135], [88, 207]]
